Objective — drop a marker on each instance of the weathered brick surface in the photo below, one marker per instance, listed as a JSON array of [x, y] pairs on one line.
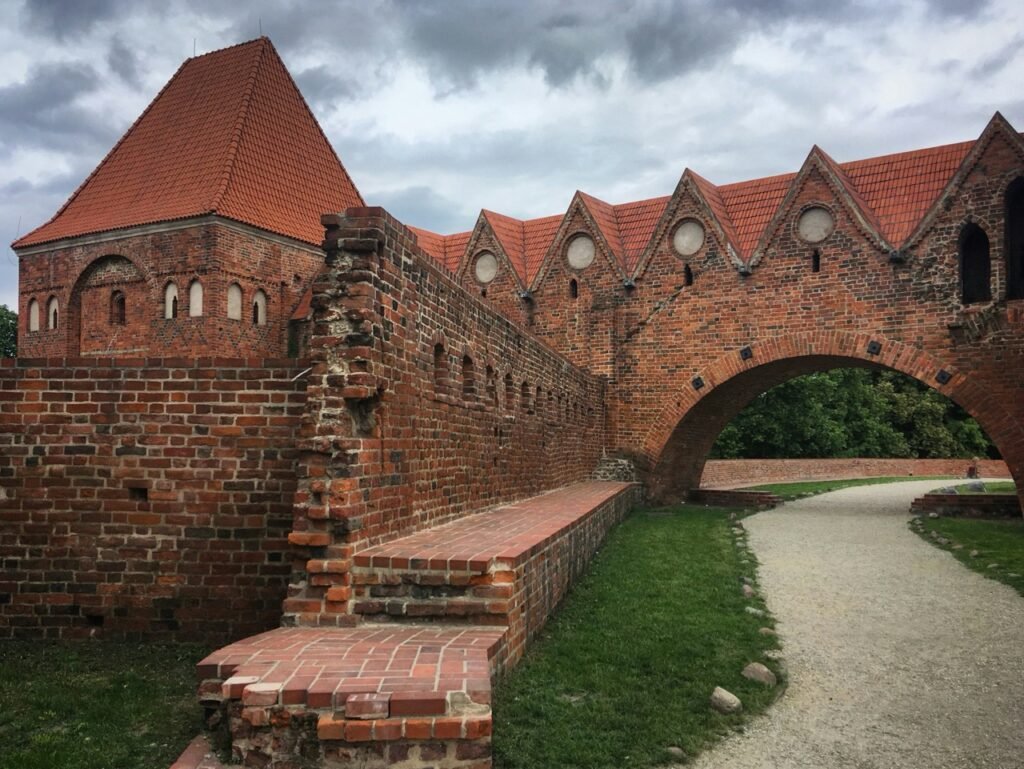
[[968, 505], [83, 275], [424, 405], [726, 473], [148, 498]]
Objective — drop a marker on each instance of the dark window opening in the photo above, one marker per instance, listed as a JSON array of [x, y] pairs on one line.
[[117, 309], [138, 493], [174, 307], [975, 265], [687, 275], [574, 289], [440, 368], [1015, 239], [816, 261], [468, 378]]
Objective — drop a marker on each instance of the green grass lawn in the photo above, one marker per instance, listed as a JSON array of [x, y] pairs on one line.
[[799, 489], [626, 667], [96, 704], [997, 541]]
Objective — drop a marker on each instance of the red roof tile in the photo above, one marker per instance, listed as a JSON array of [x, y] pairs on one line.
[[230, 134], [751, 206], [900, 188], [537, 237], [447, 250], [636, 225], [607, 222]]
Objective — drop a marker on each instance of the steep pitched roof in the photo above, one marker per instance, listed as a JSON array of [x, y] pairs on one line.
[[230, 134], [446, 250]]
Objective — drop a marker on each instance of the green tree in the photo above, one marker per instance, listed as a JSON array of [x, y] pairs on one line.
[[8, 332], [852, 413]]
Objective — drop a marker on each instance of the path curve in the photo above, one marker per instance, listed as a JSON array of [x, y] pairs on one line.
[[898, 656]]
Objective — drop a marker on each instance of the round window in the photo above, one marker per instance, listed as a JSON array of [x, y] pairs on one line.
[[581, 252], [485, 267], [815, 224], [688, 237]]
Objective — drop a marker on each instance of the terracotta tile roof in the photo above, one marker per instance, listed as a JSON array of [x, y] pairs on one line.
[[751, 205], [537, 237], [851, 189], [636, 225], [604, 216], [900, 188], [447, 250], [305, 305], [230, 134]]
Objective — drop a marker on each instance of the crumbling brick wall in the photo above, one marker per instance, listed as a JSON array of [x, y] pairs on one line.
[[425, 404]]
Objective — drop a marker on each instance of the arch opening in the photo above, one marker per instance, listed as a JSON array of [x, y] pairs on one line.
[[680, 464]]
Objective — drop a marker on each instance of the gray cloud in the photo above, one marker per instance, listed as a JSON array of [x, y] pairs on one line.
[[43, 110], [324, 88], [123, 61], [423, 204], [62, 19]]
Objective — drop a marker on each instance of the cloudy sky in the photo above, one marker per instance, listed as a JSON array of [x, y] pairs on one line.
[[441, 108]]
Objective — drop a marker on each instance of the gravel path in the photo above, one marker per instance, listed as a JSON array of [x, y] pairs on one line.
[[897, 655]]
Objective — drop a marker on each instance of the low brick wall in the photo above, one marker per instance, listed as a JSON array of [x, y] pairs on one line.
[[733, 473], [146, 498], [968, 505], [758, 500]]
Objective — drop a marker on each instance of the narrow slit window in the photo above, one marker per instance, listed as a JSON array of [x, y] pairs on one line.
[[117, 309], [259, 309], [574, 289], [170, 301], [52, 313], [816, 261], [687, 275]]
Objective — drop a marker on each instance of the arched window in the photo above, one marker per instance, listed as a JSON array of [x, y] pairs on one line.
[[33, 315], [259, 308], [468, 378], [975, 266], [52, 312], [234, 302], [195, 299], [687, 275], [440, 369], [574, 289], [171, 301], [1015, 239], [117, 309]]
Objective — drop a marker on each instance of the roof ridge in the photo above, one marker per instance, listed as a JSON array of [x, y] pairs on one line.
[[852, 190], [316, 122], [106, 157], [243, 116]]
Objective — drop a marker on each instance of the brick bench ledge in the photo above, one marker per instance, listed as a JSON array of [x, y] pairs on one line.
[[507, 535]]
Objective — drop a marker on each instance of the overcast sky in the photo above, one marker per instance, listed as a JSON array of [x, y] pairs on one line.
[[439, 109]]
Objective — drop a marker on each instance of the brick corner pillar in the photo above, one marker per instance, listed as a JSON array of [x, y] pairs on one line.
[[343, 394]]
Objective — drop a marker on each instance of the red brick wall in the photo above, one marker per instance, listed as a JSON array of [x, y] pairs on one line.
[[732, 473], [152, 496], [677, 371], [388, 446], [83, 276]]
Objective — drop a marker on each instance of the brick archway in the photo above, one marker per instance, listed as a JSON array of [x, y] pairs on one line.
[[677, 443], [123, 274]]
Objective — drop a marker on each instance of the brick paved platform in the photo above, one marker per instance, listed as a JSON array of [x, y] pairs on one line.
[[394, 689], [505, 536]]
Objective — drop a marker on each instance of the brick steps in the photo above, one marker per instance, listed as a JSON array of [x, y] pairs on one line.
[[439, 613], [375, 695]]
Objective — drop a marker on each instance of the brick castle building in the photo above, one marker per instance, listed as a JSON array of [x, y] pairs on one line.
[[246, 399]]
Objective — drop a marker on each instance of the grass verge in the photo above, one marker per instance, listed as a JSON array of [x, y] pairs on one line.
[[626, 667], [999, 542], [798, 489], [92, 704]]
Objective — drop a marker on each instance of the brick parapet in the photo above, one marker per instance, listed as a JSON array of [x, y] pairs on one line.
[[389, 445]]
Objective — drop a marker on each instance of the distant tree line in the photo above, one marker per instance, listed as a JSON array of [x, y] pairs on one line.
[[852, 413], [8, 332]]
